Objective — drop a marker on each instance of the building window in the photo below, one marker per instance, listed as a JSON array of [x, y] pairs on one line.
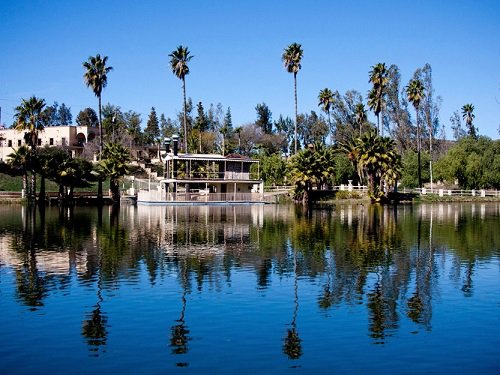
[[19, 143], [51, 141], [10, 142], [63, 141], [39, 142]]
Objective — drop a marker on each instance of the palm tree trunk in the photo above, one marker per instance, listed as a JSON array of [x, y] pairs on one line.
[[378, 123], [33, 187], [430, 158], [99, 181], [418, 152], [42, 190], [185, 114], [296, 114]]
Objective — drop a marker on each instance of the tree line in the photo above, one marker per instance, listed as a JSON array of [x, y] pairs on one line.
[[398, 148]]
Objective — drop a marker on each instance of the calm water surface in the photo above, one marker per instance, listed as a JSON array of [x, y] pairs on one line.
[[268, 289]]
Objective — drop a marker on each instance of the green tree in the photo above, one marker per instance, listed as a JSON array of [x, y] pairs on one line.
[[29, 119], [152, 130], [227, 129], [376, 160], [415, 94], [376, 98], [114, 165], [292, 57], [87, 117], [273, 169], [325, 101], [64, 114], [311, 166], [200, 123], [468, 116], [264, 118], [179, 63], [360, 116], [20, 161]]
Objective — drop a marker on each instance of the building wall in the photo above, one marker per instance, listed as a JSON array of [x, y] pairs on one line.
[[64, 135]]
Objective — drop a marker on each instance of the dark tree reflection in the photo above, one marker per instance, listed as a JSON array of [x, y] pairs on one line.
[[292, 346]]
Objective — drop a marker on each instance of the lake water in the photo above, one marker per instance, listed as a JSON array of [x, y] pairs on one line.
[[251, 289]]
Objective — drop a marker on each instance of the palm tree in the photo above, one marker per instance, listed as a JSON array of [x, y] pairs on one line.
[[325, 100], [377, 158], [29, 119], [379, 79], [20, 160], [415, 93], [291, 57], [311, 166], [178, 62], [468, 116], [96, 77], [115, 165], [360, 116]]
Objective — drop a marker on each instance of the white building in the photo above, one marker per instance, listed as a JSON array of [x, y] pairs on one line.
[[68, 136]]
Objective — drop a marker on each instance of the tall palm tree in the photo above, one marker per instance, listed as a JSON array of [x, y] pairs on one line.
[[96, 77], [291, 57], [415, 93], [379, 79], [360, 116], [325, 101], [468, 116], [29, 119], [179, 63]]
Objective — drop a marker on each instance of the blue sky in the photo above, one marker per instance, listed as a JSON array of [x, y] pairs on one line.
[[237, 48]]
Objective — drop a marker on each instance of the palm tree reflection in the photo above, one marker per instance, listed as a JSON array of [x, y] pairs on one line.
[[179, 332], [292, 346]]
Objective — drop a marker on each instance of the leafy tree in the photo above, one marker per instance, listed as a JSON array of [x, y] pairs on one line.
[[29, 119], [468, 116], [87, 117], [200, 122], [376, 97], [64, 115], [415, 93], [114, 165], [50, 115], [133, 127], [285, 126], [396, 113], [20, 161], [179, 63], [264, 118], [325, 100], [273, 170], [409, 175], [312, 128], [344, 115], [360, 116], [292, 57], [429, 109], [113, 123], [311, 166], [168, 127], [456, 126], [152, 130], [227, 129]]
